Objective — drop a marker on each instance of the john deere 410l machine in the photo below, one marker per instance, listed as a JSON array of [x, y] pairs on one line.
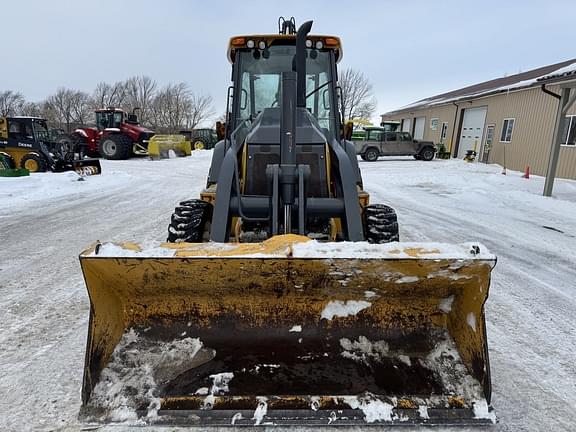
[[282, 295]]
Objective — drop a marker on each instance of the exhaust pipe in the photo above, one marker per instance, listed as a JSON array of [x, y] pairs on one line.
[[300, 68]]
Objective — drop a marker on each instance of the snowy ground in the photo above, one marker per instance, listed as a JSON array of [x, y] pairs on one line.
[[47, 219]]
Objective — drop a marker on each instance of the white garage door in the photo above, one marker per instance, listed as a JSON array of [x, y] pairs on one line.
[[406, 125], [471, 132], [419, 123]]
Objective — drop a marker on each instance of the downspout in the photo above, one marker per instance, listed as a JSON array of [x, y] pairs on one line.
[[548, 92], [453, 129]]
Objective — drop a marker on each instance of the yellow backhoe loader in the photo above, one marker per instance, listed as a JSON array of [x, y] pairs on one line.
[[282, 296]]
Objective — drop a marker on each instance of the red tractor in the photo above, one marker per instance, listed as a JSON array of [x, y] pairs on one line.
[[117, 135]]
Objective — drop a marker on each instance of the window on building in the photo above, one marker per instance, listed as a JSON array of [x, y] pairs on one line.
[[569, 136], [443, 132], [507, 128]]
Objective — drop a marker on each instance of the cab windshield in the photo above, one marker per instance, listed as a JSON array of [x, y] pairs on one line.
[[260, 83], [108, 119], [40, 130]]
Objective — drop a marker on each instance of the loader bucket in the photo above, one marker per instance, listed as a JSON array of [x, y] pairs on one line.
[[166, 146], [287, 332], [87, 167]]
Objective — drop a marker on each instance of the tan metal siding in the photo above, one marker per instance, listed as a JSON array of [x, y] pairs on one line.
[[534, 113]]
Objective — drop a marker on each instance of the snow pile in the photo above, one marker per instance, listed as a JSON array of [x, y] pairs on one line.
[[423, 411], [130, 380], [482, 411], [220, 383], [471, 320], [445, 304], [407, 279], [296, 329], [445, 362], [143, 251], [363, 349], [308, 249], [260, 411], [374, 409], [408, 250], [235, 418], [338, 308]]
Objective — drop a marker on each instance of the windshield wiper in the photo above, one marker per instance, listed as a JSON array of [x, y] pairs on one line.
[[318, 88]]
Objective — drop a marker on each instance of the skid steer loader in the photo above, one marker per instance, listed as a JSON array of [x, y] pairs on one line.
[[26, 146], [282, 296]]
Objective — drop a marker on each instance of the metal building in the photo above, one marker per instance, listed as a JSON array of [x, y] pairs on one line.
[[510, 120]]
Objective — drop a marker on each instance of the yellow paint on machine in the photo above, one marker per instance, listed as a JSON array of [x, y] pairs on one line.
[[161, 146], [263, 288]]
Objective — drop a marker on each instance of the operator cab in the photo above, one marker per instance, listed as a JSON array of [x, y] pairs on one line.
[[258, 63], [112, 118], [28, 129], [256, 113]]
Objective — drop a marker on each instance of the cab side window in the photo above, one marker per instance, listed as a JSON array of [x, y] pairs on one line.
[[375, 135], [405, 136], [20, 130], [390, 136]]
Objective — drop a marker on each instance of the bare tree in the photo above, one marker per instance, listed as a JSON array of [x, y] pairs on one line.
[[357, 95], [175, 107], [31, 109], [201, 109], [68, 106], [140, 92], [10, 103], [109, 95], [81, 107]]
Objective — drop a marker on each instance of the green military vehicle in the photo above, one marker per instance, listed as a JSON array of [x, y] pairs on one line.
[[379, 142]]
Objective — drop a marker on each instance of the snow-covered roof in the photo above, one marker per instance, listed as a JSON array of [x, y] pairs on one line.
[[539, 76]]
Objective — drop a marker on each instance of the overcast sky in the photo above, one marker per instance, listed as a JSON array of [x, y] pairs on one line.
[[407, 49]]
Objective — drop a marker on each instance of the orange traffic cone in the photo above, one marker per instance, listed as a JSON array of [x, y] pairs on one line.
[[527, 173]]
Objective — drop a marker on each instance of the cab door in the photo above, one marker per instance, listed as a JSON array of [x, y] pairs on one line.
[[406, 145], [390, 143], [374, 138]]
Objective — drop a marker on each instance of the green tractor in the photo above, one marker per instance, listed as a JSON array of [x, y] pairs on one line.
[[201, 139]]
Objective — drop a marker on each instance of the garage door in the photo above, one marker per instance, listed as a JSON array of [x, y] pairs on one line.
[[419, 123], [471, 132], [406, 125]]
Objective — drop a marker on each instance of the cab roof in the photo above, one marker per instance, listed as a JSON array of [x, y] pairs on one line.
[[240, 42]]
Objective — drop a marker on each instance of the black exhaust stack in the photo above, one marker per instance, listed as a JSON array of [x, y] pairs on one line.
[[300, 68]]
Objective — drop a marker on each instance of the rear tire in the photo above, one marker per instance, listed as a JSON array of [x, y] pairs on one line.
[[371, 154], [427, 154], [115, 147], [380, 224], [33, 162], [190, 222], [199, 144]]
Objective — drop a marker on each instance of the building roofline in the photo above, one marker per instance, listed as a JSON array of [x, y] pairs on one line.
[[551, 74]]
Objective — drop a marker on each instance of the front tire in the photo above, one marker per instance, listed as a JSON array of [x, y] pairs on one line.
[[427, 154], [371, 154], [190, 222], [8, 160], [115, 147], [33, 162], [380, 224]]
